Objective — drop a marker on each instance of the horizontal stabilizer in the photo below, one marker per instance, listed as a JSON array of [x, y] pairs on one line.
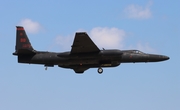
[[24, 51]]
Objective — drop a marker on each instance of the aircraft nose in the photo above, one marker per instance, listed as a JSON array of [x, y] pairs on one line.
[[164, 57], [155, 58]]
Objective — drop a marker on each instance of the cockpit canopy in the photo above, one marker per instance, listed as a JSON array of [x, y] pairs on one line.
[[135, 52]]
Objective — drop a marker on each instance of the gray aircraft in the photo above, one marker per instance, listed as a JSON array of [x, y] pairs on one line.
[[84, 54]]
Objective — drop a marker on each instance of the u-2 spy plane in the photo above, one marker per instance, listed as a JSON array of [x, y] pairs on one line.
[[84, 54]]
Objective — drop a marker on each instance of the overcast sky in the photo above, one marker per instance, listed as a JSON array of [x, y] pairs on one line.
[[148, 25]]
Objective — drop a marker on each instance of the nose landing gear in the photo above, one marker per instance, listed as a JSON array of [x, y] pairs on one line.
[[100, 70]]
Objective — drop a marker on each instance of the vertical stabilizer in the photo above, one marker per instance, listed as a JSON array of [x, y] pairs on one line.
[[23, 45]]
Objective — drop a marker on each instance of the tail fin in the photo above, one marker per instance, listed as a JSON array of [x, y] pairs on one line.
[[23, 45]]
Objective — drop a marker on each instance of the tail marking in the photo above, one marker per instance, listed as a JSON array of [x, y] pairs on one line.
[[23, 45]]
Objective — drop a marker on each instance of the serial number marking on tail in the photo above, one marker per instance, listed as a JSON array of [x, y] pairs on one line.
[[23, 40], [20, 29], [26, 46], [21, 34]]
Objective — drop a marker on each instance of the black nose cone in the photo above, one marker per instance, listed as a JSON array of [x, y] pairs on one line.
[[165, 57], [156, 58]]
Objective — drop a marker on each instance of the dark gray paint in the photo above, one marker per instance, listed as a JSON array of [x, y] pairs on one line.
[[83, 55]]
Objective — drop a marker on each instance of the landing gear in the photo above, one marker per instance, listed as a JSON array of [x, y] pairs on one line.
[[100, 70], [48, 65]]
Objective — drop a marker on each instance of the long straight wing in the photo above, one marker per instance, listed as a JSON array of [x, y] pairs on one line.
[[83, 44]]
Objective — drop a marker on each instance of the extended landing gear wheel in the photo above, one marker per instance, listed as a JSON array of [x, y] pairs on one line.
[[100, 70]]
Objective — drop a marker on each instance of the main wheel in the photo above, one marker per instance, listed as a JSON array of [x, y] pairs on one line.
[[100, 70]]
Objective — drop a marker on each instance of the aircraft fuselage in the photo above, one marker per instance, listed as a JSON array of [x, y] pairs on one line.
[[105, 58], [84, 54]]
